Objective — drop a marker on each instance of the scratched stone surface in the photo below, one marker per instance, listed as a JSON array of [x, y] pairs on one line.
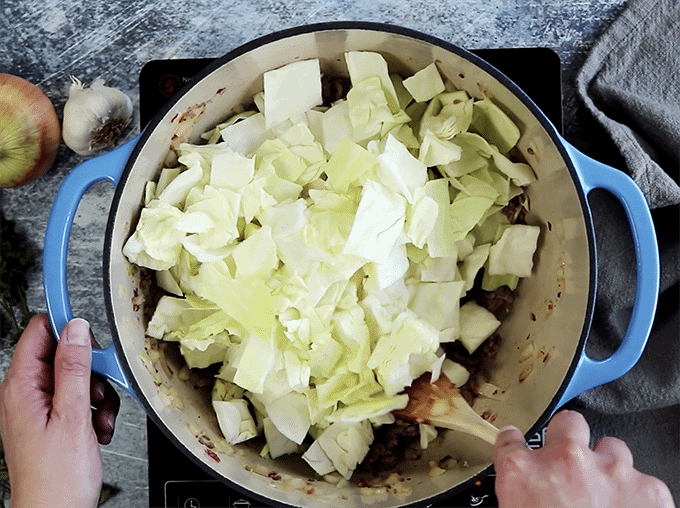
[[46, 41]]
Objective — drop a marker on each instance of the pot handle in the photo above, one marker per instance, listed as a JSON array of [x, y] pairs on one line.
[[108, 166], [591, 373]]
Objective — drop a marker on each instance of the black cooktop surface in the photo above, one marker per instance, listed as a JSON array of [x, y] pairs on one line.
[[174, 479]]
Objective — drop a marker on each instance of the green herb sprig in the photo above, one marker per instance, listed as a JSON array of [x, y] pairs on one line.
[[17, 257]]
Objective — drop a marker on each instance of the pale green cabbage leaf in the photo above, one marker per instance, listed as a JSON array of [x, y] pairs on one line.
[[425, 84]]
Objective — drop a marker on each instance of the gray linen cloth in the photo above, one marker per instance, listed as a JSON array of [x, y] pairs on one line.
[[631, 84]]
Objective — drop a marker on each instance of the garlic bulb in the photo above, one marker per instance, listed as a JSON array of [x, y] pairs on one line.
[[94, 117]]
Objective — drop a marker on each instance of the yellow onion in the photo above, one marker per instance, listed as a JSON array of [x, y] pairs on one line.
[[29, 132]]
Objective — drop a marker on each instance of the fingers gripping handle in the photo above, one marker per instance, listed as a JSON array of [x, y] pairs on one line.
[[107, 167], [590, 373]]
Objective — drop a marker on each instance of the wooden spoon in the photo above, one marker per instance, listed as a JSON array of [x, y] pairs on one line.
[[441, 404]]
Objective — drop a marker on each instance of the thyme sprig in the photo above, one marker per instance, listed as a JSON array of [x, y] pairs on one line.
[[17, 257]]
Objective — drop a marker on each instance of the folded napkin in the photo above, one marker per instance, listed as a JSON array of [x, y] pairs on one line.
[[631, 84]]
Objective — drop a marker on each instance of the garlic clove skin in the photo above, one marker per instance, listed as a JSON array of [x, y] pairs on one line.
[[94, 117]]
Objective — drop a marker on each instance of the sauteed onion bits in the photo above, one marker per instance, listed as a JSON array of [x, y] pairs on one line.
[[321, 256]]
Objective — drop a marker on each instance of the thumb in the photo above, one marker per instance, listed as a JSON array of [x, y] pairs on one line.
[[72, 362], [510, 450]]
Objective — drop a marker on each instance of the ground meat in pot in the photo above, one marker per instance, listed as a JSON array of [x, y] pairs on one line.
[[476, 361], [389, 444], [333, 89], [498, 302], [515, 211]]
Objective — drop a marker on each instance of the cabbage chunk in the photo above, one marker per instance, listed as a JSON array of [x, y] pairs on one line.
[[425, 84], [364, 65], [346, 444], [378, 223], [291, 90], [156, 243], [513, 253], [493, 124], [235, 421], [476, 325], [404, 354]]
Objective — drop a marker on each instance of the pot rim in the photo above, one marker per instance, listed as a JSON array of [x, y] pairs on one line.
[[365, 26]]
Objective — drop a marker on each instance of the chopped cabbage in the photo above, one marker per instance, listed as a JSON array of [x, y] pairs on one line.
[[202, 353], [336, 125], [363, 65], [235, 421], [231, 170], [421, 217], [427, 434], [346, 444], [319, 256], [425, 84], [349, 164], [318, 460], [368, 109], [518, 172], [174, 317], [156, 243], [476, 325], [278, 443], [447, 115], [246, 299], [178, 189], [455, 372], [442, 240], [256, 255], [493, 124], [400, 170], [393, 269], [493, 282], [244, 136], [290, 90], [257, 361], [513, 253], [369, 407], [473, 263], [290, 415], [224, 390], [403, 95], [436, 152], [404, 354], [378, 223], [295, 156], [211, 224], [439, 269]]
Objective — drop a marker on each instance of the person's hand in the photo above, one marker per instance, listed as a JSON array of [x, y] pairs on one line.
[[566, 473], [49, 432]]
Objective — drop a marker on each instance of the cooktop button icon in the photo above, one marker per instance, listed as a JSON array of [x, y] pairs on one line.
[[192, 503], [169, 85], [477, 501]]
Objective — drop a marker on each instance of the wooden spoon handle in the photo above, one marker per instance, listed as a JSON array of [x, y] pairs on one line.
[[468, 422]]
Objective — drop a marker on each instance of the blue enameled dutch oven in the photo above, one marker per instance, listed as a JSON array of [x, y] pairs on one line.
[[542, 362]]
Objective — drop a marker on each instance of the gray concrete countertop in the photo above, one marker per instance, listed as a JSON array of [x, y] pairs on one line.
[[47, 41]]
